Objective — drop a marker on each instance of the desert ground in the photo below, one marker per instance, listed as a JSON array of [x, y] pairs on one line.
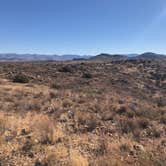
[[83, 113]]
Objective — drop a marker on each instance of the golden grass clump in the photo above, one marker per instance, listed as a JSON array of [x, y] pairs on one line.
[[43, 128]]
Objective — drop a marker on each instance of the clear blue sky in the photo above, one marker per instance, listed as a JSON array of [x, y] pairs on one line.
[[82, 26]]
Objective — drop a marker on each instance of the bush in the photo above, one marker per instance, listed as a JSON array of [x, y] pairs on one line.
[[56, 86], [66, 69], [124, 147], [20, 78], [128, 126], [87, 122], [121, 110], [87, 75], [154, 133], [2, 126], [163, 119], [143, 123]]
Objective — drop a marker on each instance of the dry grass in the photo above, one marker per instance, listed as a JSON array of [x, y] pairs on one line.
[[113, 116]]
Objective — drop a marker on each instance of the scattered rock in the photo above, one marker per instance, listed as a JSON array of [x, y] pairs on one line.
[[139, 147]]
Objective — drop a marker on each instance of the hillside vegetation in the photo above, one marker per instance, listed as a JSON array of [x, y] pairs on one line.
[[83, 113]]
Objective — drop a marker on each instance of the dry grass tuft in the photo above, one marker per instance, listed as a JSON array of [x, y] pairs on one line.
[[43, 128]]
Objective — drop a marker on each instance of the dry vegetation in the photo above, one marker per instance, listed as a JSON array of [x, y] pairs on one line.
[[83, 113]]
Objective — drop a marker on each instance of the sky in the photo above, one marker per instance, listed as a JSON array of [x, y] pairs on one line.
[[85, 27]]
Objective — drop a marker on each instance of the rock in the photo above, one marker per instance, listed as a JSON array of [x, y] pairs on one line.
[[71, 114], [139, 147]]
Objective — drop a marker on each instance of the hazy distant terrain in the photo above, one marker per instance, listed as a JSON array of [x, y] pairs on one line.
[[103, 56], [38, 57]]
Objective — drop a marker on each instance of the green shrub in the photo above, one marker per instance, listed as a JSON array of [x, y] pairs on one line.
[[56, 86], [20, 78]]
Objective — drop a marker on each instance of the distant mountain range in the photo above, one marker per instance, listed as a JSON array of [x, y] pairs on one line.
[[147, 55], [151, 55], [103, 56], [39, 57]]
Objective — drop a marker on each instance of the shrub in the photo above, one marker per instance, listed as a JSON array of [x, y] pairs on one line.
[[153, 132], [107, 116], [124, 147], [143, 123], [87, 75], [163, 119], [56, 86], [20, 78], [2, 124], [122, 110], [137, 134], [128, 125], [66, 69], [87, 122], [57, 156]]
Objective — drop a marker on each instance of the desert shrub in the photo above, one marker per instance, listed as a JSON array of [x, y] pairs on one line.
[[130, 114], [55, 86], [143, 123], [87, 75], [2, 124], [161, 102], [101, 148], [137, 134], [91, 124], [153, 132], [124, 147], [20, 78], [67, 103], [51, 160], [57, 156], [87, 122], [128, 125], [150, 114], [27, 146], [147, 158], [163, 119], [107, 116], [121, 110], [52, 95], [66, 69]]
